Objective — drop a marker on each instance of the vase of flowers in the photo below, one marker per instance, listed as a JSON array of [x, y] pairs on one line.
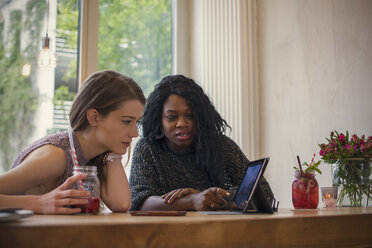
[[351, 163]]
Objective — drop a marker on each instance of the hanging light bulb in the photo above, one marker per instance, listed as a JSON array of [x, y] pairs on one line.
[[47, 58]]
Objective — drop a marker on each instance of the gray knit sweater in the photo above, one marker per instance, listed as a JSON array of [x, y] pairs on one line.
[[157, 169]]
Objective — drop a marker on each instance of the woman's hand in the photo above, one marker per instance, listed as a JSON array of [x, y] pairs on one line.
[[170, 197], [58, 200], [210, 199]]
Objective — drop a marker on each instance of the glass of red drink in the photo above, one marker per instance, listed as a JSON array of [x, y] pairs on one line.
[[305, 191], [91, 184], [92, 207]]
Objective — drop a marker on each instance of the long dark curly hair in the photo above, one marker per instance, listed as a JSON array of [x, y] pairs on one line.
[[209, 123]]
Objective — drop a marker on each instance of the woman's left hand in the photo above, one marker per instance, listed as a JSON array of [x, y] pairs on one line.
[[173, 195]]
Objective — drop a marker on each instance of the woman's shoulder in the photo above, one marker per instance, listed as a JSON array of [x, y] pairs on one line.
[[59, 140], [229, 147], [146, 144], [226, 141]]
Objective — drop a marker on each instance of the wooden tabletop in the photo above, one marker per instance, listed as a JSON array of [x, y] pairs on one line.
[[333, 227]]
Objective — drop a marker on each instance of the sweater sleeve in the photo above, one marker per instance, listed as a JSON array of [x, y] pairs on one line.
[[143, 178], [237, 164]]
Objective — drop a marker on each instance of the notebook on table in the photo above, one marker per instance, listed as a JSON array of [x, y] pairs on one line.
[[250, 197]]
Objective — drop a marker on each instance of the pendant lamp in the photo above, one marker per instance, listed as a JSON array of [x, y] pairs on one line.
[[47, 58]]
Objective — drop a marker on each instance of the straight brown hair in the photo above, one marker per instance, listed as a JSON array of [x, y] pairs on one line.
[[104, 91]]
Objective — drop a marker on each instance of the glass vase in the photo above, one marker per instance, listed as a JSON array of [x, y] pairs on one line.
[[353, 178], [305, 191]]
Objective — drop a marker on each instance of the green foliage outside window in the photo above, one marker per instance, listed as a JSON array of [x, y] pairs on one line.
[[18, 97], [62, 94], [134, 37], [67, 28]]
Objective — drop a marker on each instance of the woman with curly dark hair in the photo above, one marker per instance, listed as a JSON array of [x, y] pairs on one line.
[[184, 161]]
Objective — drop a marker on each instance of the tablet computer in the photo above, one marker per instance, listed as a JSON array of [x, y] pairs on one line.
[[247, 188], [250, 197]]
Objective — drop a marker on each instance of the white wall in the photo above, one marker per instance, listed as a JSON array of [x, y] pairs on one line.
[[213, 44], [315, 75]]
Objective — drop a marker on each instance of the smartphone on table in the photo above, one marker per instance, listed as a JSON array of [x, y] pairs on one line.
[[158, 213]]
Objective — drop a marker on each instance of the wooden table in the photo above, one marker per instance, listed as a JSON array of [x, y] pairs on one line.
[[337, 227]]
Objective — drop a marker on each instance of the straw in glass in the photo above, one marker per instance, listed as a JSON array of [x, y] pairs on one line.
[[74, 156], [299, 164]]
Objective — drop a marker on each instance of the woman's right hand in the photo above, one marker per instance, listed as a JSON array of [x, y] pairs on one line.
[[59, 200], [173, 195], [210, 199]]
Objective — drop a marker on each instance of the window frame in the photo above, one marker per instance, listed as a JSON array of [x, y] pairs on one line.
[[88, 38]]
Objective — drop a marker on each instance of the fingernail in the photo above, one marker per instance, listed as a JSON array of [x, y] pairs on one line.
[[227, 193]]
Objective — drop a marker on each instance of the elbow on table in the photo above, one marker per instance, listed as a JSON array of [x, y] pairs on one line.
[[122, 207]]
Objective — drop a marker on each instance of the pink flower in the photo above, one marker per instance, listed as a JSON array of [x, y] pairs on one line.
[[341, 138], [369, 145], [363, 148], [340, 145]]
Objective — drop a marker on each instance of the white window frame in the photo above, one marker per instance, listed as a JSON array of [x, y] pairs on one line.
[[88, 52]]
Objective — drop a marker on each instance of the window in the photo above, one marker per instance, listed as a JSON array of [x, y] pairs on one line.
[[134, 39], [26, 91]]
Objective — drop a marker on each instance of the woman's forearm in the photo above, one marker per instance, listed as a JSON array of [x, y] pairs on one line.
[[156, 203], [18, 201], [115, 189]]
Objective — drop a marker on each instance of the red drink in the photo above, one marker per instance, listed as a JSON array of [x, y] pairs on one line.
[[305, 191], [90, 184], [92, 207]]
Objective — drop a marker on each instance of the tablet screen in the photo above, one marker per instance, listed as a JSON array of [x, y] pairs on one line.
[[248, 183]]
